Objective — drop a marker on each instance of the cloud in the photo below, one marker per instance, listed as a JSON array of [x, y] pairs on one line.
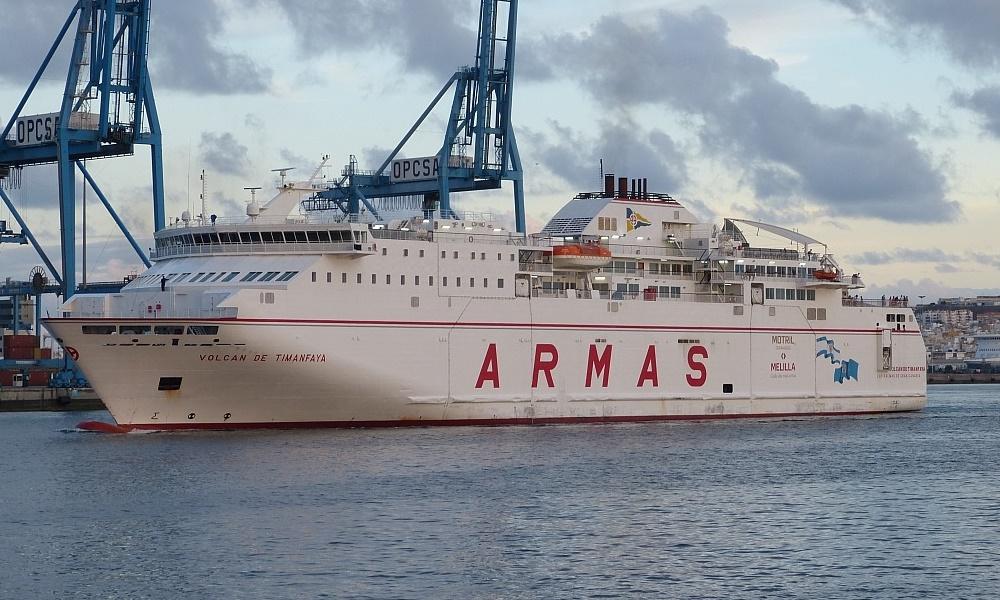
[[945, 262], [223, 153], [627, 150], [966, 30], [185, 51], [985, 102], [845, 160], [904, 255], [431, 36]]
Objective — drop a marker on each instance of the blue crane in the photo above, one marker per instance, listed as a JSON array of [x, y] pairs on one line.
[[107, 109], [479, 150]]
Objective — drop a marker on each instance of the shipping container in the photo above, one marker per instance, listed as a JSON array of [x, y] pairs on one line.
[[19, 354], [20, 341], [38, 378]]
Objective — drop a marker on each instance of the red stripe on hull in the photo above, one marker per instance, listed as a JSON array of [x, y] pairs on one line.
[[482, 325], [480, 422]]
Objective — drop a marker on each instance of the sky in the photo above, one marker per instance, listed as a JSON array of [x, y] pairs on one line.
[[872, 125]]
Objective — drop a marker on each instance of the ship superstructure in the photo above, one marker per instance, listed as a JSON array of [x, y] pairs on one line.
[[624, 307]]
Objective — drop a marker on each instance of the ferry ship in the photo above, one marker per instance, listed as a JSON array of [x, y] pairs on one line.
[[623, 308]]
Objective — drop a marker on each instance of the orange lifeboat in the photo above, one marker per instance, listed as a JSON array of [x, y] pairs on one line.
[[823, 275], [581, 256]]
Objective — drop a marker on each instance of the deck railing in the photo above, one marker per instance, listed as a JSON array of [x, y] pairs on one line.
[[894, 302]]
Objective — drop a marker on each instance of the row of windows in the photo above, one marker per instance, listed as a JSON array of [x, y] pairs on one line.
[[149, 329], [359, 277], [775, 271], [789, 294], [454, 254], [670, 268], [217, 277], [262, 237], [652, 268]]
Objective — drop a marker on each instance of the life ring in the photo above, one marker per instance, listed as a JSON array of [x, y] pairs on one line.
[[73, 352]]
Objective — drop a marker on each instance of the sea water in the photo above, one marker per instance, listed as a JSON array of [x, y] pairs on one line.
[[895, 506]]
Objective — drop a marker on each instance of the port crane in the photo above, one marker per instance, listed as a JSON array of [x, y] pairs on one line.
[[107, 108], [479, 151]]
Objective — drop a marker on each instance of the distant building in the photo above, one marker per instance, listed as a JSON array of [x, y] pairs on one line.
[[988, 348], [25, 318], [951, 316]]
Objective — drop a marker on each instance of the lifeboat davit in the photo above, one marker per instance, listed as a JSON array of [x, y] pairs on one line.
[[581, 256]]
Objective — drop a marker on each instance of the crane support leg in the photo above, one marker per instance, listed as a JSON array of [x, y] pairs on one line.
[[67, 218], [155, 141], [515, 159]]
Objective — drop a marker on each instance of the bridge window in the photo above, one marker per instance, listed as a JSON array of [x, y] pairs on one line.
[[312, 236], [135, 329], [255, 274], [231, 276], [203, 330], [324, 236], [99, 329], [168, 330], [270, 275]]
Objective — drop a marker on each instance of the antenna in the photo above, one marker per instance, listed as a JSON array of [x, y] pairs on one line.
[[283, 172], [204, 197], [253, 193], [189, 177], [253, 209]]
